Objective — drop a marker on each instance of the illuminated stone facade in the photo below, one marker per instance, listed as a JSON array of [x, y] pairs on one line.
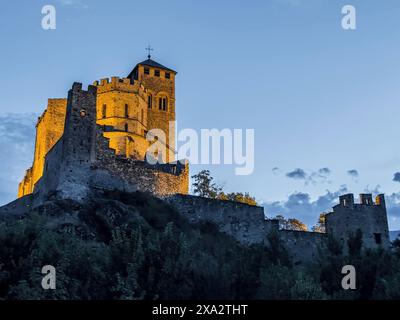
[[49, 129], [134, 112]]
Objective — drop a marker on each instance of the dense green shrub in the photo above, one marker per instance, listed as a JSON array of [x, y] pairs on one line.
[[134, 246]]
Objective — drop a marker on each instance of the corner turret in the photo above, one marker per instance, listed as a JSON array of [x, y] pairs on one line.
[[371, 218]]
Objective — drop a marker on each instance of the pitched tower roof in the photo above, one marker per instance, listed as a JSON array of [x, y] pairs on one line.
[[149, 63]]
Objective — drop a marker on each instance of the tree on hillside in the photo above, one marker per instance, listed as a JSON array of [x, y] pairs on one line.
[[290, 224], [204, 186], [320, 226], [238, 197]]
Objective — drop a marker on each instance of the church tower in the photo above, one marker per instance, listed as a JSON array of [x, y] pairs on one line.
[[159, 82]]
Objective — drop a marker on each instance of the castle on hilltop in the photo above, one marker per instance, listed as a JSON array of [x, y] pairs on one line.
[[249, 225], [97, 139]]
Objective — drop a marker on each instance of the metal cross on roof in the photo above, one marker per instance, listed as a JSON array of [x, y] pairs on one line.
[[149, 49]]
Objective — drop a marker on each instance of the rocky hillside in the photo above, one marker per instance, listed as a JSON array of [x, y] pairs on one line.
[[134, 246]]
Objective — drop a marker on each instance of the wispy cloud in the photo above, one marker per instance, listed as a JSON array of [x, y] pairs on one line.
[[396, 177], [276, 170], [324, 171], [297, 174], [76, 4], [393, 209], [353, 173], [315, 177], [299, 205], [17, 134]]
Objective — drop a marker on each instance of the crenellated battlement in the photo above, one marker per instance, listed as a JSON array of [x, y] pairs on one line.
[[77, 87], [367, 216], [119, 84], [347, 200]]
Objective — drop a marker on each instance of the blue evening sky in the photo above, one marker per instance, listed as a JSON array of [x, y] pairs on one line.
[[318, 97]]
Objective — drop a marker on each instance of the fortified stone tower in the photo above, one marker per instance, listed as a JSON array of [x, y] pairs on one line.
[[49, 129], [122, 104], [369, 217], [67, 164], [131, 106], [82, 161], [159, 82]]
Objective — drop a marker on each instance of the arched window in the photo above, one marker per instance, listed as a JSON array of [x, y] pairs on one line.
[[126, 127], [104, 111], [126, 111], [150, 101], [163, 103]]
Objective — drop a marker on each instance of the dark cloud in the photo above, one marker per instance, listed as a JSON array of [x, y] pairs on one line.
[[275, 170], [396, 177], [353, 173], [320, 176], [299, 205], [17, 135], [298, 174], [324, 171], [375, 190]]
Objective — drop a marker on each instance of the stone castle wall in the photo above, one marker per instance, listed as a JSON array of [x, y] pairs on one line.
[[122, 103], [67, 164], [248, 224], [244, 222], [159, 179], [82, 159], [302, 246], [49, 129]]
